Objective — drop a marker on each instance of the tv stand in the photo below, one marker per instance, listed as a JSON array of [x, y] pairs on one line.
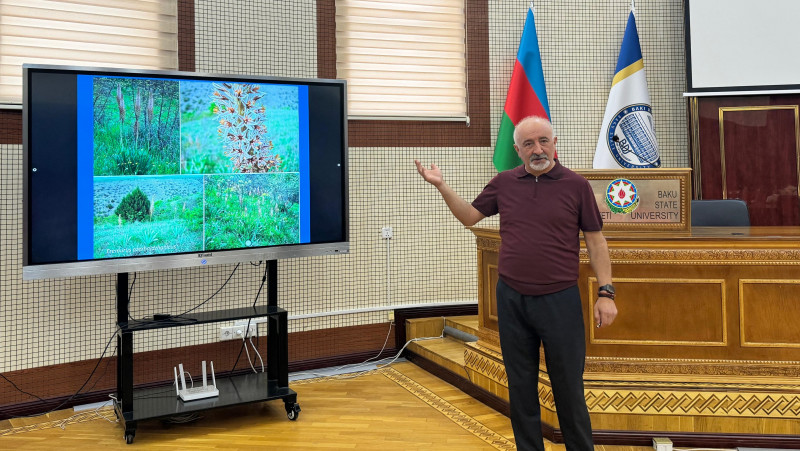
[[133, 405]]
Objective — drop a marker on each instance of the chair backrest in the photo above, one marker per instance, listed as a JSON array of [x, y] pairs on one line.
[[720, 213]]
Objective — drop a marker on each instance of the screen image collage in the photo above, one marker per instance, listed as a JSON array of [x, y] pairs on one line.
[[194, 165]]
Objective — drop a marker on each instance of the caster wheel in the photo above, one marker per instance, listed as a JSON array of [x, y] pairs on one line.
[[129, 437], [292, 411]]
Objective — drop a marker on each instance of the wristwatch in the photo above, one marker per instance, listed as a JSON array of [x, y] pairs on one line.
[[606, 291]]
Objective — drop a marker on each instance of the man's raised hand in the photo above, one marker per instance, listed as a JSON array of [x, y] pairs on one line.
[[432, 175]]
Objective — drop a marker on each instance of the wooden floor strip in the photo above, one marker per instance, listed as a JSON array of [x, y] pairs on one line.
[[458, 416], [376, 410], [398, 408], [36, 423]]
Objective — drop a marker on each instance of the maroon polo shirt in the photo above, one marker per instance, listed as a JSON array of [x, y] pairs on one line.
[[540, 221]]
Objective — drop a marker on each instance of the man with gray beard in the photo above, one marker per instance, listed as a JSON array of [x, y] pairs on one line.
[[543, 207]]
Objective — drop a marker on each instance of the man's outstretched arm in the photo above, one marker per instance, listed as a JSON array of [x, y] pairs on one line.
[[461, 209]]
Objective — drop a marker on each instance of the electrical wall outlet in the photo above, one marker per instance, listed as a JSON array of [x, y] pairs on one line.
[[226, 333], [237, 332], [662, 444], [387, 233]]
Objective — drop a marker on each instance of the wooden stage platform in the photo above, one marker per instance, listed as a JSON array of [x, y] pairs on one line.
[[479, 372]]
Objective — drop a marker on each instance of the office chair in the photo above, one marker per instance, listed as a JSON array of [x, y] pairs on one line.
[[720, 213]]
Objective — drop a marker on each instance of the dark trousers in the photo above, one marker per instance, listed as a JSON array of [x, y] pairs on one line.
[[556, 321]]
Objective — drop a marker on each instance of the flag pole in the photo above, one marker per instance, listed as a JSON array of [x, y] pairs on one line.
[[627, 135]]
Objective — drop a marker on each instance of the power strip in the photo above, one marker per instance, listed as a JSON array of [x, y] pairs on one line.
[[238, 332], [662, 444]]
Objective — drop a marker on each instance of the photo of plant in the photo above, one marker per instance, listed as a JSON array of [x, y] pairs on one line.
[[251, 210], [136, 126], [147, 215], [187, 166], [239, 128]]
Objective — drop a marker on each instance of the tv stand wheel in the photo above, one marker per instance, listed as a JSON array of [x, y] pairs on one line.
[[129, 437], [292, 410]]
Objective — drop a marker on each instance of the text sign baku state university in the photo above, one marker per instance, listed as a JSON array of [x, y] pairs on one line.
[[642, 199]]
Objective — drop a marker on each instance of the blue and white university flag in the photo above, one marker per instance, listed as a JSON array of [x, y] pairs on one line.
[[628, 135]]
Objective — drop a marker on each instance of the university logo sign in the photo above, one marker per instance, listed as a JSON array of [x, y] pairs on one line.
[[631, 138]]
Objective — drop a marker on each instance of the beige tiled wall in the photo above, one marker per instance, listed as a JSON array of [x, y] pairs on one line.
[[430, 259]]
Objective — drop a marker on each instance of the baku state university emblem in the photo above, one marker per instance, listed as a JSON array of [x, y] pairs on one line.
[[631, 138]]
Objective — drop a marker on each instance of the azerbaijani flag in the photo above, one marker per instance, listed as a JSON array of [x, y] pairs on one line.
[[628, 134], [526, 96]]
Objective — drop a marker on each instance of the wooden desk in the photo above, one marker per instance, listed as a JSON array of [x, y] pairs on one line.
[[707, 340]]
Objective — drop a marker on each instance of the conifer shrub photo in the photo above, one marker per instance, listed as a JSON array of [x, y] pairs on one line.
[[147, 215], [135, 206]]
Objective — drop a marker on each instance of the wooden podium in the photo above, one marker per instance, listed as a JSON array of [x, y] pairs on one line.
[[706, 347]]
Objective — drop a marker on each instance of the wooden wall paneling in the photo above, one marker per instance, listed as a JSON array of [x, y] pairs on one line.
[[488, 294], [760, 151], [748, 147], [710, 161], [186, 35], [488, 253], [403, 315], [664, 311], [707, 315], [10, 126], [694, 145], [769, 313], [694, 351]]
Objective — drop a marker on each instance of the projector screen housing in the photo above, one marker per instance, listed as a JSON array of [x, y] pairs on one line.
[[136, 170], [742, 46]]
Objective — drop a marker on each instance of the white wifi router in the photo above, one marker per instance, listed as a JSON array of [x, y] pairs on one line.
[[194, 393]]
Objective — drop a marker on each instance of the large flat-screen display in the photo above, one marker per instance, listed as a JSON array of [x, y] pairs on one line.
[[136, 170]]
